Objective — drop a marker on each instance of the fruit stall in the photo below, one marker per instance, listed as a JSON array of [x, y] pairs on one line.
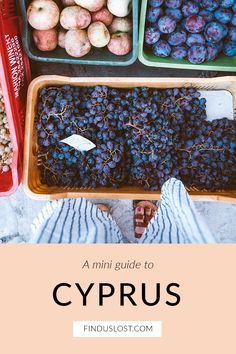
[[110, 113]]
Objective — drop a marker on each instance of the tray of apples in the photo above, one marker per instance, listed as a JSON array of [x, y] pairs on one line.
[[81, 31]]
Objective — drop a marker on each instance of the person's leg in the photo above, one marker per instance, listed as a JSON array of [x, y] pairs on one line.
[[75, 221], [177, 220], [143, 214]]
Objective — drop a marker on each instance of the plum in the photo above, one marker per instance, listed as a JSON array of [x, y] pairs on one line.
[[120, 44], [195, 24], [176, 38], [45, 40], [190, 8], [173, 4], [98, 34], [161, 49], [75, 17], [210, 5], [197, 54], [153, 13], [225, 30], [219, 46], [207, 15], [232, 33], [233, 21], [152, 35], [176, 14], [179, 52], [195, 38], [223, 15], [103, 15], [214, 32], [155, 3], [212, 51], [227, 3], [166, 24], [77, 43], [230, 48]]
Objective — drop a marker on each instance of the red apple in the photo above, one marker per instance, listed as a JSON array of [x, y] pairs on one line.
[[43, 14], [77, 43], [45, 40], [75, 17], [103, 15], [119, 8], [98, 34], [66, 3], [92, 5], [120, 44], [121, 24], [61, 38]]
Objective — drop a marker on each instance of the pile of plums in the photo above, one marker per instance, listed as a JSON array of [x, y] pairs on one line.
[[196, 30]]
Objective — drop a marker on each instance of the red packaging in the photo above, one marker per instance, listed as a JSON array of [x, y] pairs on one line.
[[14, 79]]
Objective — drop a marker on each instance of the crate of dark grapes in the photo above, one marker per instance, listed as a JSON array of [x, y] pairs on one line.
[[14, 79], [123, 138], [188, 34]]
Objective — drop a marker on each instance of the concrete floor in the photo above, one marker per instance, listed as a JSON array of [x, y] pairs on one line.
[[18, 211]]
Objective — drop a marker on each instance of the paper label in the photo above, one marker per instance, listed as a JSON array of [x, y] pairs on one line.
[[219, 104], [79, 142]]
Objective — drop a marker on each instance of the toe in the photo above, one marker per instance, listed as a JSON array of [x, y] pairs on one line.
[[103, 207]]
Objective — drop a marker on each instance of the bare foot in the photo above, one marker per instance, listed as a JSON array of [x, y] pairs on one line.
[[104, 208], [143, 214]]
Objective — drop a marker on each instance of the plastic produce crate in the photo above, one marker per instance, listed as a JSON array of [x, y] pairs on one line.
[[14, 79], [31, 179], [222, 63], [94, 57]]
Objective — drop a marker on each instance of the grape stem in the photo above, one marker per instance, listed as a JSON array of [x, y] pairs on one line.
[[140, 130]]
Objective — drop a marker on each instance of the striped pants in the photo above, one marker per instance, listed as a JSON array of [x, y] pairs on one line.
[[80, 221]]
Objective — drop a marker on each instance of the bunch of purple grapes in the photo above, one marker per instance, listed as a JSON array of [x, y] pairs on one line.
[[207, 155], [150, 139], [196, 30], [143, 136], [88, 112]]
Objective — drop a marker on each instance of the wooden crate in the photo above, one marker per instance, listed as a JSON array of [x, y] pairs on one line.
[[31, 177]]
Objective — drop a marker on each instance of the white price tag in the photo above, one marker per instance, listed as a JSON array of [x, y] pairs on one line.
[[219, 104], [79, 142]]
